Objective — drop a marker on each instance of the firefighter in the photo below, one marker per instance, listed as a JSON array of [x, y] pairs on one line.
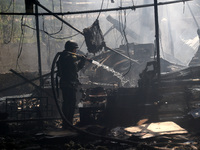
[[68, 66]]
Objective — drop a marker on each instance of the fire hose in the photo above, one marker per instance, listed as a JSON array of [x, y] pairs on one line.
[[65, 119]]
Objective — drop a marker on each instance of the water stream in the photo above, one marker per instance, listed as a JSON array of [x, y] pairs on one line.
[[116, 74]]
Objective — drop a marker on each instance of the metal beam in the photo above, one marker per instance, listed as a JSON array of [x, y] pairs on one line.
[[157, 38], [19, 84], [27, 80], [100, 10], [38, 47]]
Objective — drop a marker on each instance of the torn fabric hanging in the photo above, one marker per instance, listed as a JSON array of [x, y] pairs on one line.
[[94, 38]]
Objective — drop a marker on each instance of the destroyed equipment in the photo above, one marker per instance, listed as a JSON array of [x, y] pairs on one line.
[[94, 38]]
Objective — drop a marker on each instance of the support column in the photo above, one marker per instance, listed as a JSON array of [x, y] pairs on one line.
[[38, 46], [157, 37]]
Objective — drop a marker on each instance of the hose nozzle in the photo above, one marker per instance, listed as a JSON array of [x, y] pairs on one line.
[[81, 56]]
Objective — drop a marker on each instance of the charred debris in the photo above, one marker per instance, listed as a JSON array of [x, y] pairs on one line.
[[128, 99]]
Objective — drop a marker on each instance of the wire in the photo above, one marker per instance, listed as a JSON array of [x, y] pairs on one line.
[[122, 29], [20, 48], [43, 26], [133, 2], [193, 16], [82, 44], [161, 45], [52, 6], [49, 53], [183, 7], [100, 9], [107, 3], [9, 5], [58, 30], [126, 40], [54, 21], [12, 26], [61, 23], [51, 35]]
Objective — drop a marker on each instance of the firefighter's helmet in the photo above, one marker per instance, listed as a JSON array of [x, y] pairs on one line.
[[71, 45]]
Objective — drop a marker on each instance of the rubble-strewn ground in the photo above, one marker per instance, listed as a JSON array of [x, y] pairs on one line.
[[51, 138]]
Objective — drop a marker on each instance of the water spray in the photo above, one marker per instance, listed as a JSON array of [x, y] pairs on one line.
[[116, 74]]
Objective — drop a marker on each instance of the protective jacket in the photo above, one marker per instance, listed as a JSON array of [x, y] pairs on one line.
[[68, 67]]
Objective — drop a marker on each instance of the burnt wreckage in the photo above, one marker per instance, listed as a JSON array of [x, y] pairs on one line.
[[121, 87], [172, 97]]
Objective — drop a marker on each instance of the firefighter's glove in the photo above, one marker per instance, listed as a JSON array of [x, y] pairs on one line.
[[82, 61], [83, 58]]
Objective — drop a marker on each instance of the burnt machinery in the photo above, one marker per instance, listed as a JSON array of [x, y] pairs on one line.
[[92, 105], [175, 97]]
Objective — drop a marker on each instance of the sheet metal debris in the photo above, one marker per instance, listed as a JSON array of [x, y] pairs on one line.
[[155, 129]]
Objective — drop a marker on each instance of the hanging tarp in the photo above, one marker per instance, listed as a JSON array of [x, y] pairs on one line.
[[94, 38]]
